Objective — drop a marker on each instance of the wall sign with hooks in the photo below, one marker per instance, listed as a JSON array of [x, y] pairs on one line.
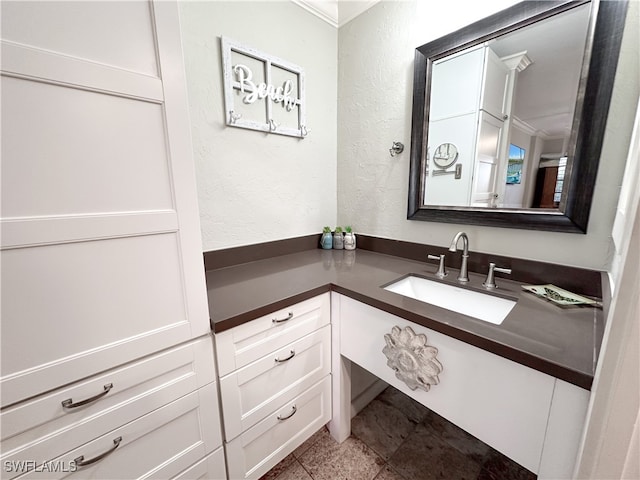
[[262, 92]]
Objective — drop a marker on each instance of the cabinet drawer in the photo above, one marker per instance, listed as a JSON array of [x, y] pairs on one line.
[[42, 429], [210, 467], [257, 450], [160, 444], [503, 403], [248, 342], [258, 389]]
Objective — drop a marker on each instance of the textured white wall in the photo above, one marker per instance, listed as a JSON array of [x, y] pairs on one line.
[[254, 187], [375, 70]]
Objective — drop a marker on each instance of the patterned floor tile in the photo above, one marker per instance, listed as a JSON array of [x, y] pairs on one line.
[[279, 468], [294, 471], [388, 473], [350, 460], [382, 427], [425, 456], [456, 437], [322, 433], [414, 411], [499, 467]]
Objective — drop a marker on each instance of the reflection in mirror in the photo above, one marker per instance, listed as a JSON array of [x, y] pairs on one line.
[[538, 75], [520, 87]]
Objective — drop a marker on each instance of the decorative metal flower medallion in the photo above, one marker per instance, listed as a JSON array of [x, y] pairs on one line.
[[411, 358]]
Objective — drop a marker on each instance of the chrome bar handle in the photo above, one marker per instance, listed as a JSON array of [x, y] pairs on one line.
[[293, 354], [441, 273], [68, 403], [490, 282], [280, 320], [293, 412], [81, 462]]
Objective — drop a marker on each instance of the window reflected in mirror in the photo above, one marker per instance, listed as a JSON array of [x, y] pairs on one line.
[[516, 161]]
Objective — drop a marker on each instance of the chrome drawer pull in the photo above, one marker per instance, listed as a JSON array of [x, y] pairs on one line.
[[293, 354], [68, 403], [293, 412], [280, 320], [81, 462]]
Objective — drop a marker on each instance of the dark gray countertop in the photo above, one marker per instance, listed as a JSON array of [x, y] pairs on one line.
[[561, 342]]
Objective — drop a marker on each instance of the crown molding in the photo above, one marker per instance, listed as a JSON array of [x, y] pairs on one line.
[[327, 11], [336, 12]]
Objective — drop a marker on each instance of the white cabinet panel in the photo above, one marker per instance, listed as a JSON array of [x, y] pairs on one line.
[[494, 88], [101, 247], [446, 189], [257, 450], [60, 158], [72, 310], [121, 37], [38, 428], [160, 444], [250, 341], [254, 391], [564, 431], [209, 468], [504, 404], [486, 175], [456, 85]]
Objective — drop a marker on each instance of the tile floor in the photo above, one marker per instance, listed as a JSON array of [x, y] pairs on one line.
[[396, 438]]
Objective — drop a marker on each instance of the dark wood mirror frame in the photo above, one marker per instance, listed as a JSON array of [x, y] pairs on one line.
[[594, 95]]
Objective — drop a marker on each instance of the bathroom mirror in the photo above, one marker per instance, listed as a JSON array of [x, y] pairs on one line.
[[489, 92]]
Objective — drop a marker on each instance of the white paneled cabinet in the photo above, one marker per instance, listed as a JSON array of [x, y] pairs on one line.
[[469, 104], [106, 350], [261, 447], [250, 341], [277, 388], [527, 415], [43, 428], [250, 393]]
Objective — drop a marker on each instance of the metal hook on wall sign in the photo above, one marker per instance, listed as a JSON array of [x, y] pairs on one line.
[[396, 148], [233, 116], [304, 131], [273, 125]]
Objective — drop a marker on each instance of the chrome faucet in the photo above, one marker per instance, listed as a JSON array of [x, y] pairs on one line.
[[463, 276]]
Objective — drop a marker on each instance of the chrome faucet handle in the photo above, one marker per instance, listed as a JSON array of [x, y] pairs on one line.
[[490, 282], [441, 273]]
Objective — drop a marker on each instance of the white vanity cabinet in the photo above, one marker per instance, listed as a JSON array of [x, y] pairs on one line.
[[523, 413], [275, 384], [106, 346], [44, 430]]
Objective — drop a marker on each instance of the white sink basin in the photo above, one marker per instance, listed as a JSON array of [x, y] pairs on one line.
[[474, 304]]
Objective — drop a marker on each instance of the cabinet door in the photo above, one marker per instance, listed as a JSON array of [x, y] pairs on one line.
[[494, 88], [101, 250], [485, 177]]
